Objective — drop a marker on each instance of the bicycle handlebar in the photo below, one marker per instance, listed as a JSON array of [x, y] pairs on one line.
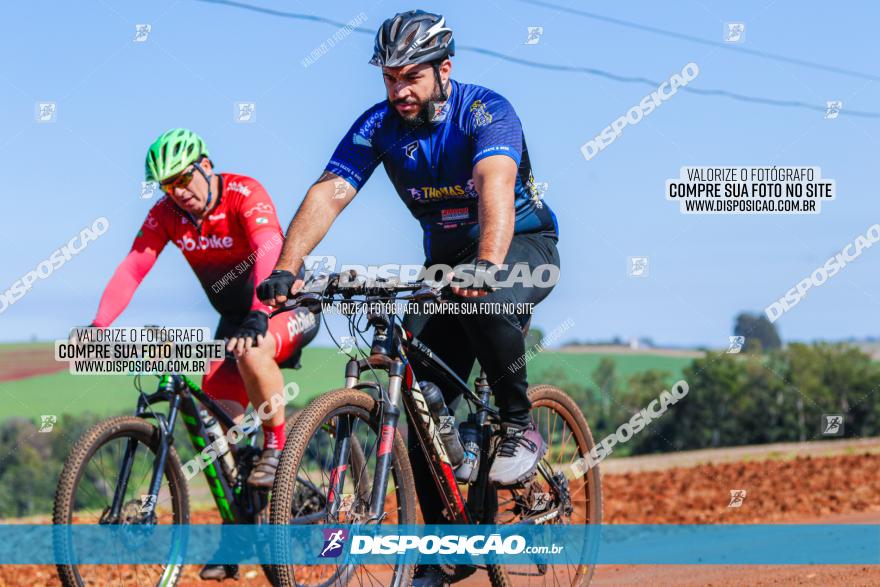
[[380, 290]]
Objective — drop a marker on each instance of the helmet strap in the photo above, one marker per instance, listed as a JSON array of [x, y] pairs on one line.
[[443, 95], [207, 179], [432, 104]]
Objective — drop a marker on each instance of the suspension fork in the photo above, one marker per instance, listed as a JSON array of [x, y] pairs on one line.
[[122, 481], [342, 447], [165, 433], [480, 491], [388, 426]]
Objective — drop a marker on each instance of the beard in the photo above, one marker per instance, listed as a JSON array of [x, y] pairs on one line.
[[425, 113]]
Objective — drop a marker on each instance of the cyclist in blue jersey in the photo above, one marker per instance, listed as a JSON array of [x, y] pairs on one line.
[[457, 157]]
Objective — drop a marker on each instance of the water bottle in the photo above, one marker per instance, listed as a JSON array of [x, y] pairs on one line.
[[215, 433], [469, 433], [438, 409]]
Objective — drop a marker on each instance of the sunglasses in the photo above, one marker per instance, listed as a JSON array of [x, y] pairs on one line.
[[181, 180]]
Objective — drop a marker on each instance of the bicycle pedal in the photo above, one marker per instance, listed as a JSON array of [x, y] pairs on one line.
[[521, 483]]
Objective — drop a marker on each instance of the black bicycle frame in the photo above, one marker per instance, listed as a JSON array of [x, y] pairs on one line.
[[181, 394], [393, 349]]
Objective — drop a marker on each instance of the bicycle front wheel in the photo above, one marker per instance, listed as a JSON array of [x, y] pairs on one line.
[[86, 490], [308, 469]]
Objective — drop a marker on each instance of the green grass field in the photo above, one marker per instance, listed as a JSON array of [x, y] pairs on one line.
[[63, 393]]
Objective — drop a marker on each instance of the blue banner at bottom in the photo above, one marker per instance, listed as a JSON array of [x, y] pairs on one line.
[[760, 544]]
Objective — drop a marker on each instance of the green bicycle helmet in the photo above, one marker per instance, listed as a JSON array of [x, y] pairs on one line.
[[173, 152]]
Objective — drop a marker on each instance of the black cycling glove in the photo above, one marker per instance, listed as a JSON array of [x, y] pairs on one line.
[[482, 275], [256, 323], [278, 283]]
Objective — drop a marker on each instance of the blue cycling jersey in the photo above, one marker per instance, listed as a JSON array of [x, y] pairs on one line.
[[431, 166]]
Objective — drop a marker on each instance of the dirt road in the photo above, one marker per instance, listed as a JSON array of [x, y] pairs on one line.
[[785, 486]]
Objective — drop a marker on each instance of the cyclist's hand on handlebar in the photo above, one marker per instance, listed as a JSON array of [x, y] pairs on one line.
[[249, 334], [278, 287], [473, 280]]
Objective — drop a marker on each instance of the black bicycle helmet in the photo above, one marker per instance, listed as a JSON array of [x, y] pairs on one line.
[[411, 37]]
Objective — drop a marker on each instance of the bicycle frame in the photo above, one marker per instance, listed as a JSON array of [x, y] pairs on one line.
[[393, 353], [182, 393]]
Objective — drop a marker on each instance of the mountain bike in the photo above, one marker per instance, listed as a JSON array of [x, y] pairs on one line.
[[364, 415], [126, 471]]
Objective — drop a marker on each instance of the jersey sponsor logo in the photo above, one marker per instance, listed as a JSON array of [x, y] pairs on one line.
[[220, 216], [481, 116], [204, 243], [299, 323], [262, 220], [237, 186], [261, 208], [427, 193], [450, 214], [411, 149], [151, 222], [364, 135]]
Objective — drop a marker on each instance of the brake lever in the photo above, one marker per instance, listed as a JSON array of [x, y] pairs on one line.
[[426, 294], [300, 300]]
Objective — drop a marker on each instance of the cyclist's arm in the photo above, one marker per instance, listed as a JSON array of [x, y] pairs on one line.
[[259, 220], [150, 241], [495, 179], [498, 147], [325, 200], [122, 285]]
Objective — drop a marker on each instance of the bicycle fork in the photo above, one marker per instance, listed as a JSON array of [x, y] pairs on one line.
[[390, 415], [165, 428]]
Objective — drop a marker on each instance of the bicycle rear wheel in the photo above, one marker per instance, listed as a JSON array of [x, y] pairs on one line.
[[85, 494], [306, 469], [559, 486]]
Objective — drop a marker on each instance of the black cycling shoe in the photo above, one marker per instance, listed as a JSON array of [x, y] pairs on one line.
[[263, 475], [219, 572]]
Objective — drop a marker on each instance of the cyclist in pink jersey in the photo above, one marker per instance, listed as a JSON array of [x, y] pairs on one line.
[[227, 229]]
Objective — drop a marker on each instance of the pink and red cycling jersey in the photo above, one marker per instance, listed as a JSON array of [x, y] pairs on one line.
[[235, 248]]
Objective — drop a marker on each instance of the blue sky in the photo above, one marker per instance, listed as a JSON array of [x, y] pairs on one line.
[[115, 96]]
